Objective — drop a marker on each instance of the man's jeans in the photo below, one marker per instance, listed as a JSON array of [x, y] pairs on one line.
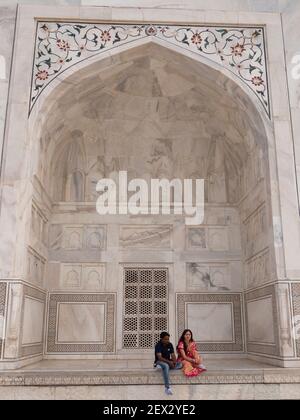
[[165, 371]]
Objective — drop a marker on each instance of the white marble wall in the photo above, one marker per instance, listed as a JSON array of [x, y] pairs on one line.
[[211, 255], [24, 323], [260, 321], [211, 322], [81, 323], [290, 19], [33, 321], [7, 24]]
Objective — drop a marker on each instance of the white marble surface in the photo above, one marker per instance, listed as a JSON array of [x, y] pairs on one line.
[[82, 277], [145, 237], [210, 322], [81, 323], [260, 321], [131, 98], [7, 21], [33, 321]]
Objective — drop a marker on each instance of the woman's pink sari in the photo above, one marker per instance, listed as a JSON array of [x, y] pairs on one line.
[[190, 369]]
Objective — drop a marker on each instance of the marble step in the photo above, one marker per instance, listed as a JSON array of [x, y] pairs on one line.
[[141, 372]]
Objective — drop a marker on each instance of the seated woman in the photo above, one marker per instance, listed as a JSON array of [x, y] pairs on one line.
[[188, 355]]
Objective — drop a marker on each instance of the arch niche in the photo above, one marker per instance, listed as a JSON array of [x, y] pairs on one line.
[[160, 112]]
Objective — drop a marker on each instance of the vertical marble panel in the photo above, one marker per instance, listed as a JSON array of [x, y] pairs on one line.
[[296, 315], [3, 287], [33, 321], [13, 328], [255, 232], [196, 238], [94, 277], [38, 224], [218, 239], [71, 276], [260, 321], [257, 269], [94, 237], [55, 236], [7, 22], [35, 267], [285, 320], [73, 237]]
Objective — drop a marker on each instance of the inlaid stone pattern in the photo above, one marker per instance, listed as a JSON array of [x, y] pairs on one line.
[[145, 236], [82, 276], [296, 314], [61, 45], [2, 312], [35, 267], [224, 307], [77, 237], [85, 319]]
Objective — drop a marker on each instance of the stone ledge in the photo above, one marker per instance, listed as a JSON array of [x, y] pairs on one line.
[[145, 378]]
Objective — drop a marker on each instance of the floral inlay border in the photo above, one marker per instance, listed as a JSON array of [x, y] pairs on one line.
[[59, 46]]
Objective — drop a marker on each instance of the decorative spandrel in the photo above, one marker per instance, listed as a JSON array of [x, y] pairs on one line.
[[62, 45]]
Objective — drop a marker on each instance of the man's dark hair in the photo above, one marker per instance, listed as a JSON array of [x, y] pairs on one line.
[[164, 334]]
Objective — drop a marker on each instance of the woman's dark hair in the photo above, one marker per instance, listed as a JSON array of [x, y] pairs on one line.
[[164, 334], [182, 339]]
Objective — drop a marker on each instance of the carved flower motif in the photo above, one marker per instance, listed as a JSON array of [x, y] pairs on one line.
[[151, 30], [63, 45], [196, 38], [238, 49], [105, 36], [42, 75], [257, 80]]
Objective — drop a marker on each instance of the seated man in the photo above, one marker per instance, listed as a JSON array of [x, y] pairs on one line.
[[166, 359]]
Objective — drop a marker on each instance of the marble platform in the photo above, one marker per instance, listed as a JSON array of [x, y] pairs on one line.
[[137, 380]]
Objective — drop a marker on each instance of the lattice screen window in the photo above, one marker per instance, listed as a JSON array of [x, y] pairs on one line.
[[145, 312]]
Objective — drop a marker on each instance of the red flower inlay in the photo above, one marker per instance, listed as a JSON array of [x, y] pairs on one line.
[[63, 45], [257, 80], [105, 36], [196, 38], [151, 30], [42, 75], [238, 49]]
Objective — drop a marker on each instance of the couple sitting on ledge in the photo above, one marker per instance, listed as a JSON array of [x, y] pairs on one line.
[[188, 357]]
